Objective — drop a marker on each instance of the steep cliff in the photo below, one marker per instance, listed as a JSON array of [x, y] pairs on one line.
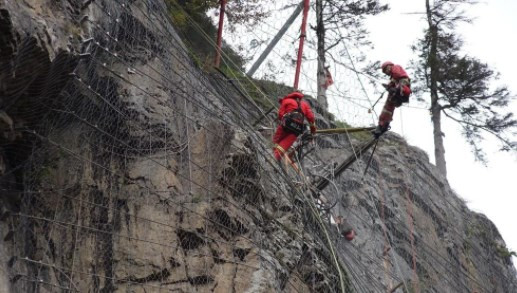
[[125, 168]]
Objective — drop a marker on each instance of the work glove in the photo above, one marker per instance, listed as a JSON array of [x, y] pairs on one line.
[[313, 129], [393, 91]]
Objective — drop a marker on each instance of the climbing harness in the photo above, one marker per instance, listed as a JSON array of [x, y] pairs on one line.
[[343, 130], [293, 121]]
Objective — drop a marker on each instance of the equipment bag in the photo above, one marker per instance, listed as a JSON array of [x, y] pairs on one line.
[[400, 95], [293, 121], [399, 99]]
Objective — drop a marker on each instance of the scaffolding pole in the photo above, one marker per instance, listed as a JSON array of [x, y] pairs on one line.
[[343, 130], [321, 184], [302, 40], [276, 39]]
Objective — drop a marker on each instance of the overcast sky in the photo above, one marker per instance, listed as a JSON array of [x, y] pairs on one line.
[[491, 190]]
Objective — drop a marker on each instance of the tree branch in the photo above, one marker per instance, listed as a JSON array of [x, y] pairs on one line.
[[502, 139]]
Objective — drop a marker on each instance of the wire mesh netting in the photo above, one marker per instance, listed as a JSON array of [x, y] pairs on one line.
[[138, 172], [127, 168], [348, 99]]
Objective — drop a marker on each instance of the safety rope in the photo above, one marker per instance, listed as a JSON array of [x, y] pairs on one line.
[[409, 209], [410, 220], [397, 266], [315, 213], [371, 156], [359, 78], [385, 251]]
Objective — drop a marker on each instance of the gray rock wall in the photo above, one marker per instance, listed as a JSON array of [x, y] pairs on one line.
[[408, 217], [125, 168]]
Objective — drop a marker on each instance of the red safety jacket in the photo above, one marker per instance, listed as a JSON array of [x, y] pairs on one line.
[[397, 74], [289, 104]]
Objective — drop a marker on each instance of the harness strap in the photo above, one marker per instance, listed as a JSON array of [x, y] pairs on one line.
[[386, 111], [299, 109], [280, 149]]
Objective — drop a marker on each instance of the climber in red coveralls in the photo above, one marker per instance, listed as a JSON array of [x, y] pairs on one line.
[[293, 111], [398, 89]]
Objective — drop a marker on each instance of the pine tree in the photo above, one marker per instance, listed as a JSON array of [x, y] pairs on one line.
[[460, 86], [191, 20], [338, 21]]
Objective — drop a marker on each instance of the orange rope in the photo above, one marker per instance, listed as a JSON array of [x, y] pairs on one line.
[[385, 254], [416, 283], [386, 250]]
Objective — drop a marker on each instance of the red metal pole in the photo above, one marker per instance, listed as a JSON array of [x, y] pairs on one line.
[[302, 40], [220, 33]]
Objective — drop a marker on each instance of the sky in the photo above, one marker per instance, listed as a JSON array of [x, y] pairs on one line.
[[491, 190]]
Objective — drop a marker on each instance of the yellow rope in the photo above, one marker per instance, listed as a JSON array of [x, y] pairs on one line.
[[343, 130]]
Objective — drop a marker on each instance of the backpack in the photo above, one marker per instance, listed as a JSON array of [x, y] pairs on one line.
[[293, 121]]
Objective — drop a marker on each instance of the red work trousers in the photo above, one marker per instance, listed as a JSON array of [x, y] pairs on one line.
[[283, 140], [387, 113]]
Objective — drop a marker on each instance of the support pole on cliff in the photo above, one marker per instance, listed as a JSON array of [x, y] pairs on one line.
[[220, 34], [302, 40], [275, 40]]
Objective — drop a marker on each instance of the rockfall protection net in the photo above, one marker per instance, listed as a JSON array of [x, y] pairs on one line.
[[129, 169], [347, 99], [135, 171]]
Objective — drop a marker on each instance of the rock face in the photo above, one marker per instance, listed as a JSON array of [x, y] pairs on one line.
[[125, 168]]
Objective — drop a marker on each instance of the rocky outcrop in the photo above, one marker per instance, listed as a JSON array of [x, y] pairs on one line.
[[126, 168], [413, 230]]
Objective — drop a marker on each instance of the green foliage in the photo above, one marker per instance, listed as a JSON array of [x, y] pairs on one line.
[[342, 124], [463, 84], [479, 233], [249, 87], [273, 89], [351, 15], [199, 34], [196, 198], [504, 252], [195, 29], [178, 18]]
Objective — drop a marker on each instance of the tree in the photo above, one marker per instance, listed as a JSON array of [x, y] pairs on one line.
[[239, 11], [195, 26], [331, 17], [460, 86]]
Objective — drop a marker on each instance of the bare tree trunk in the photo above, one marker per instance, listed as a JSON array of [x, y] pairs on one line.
[[321, 78], [439, 149]]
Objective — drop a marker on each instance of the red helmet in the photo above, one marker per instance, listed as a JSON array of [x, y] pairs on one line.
[[296, 95], [387, 63], [350, 235]]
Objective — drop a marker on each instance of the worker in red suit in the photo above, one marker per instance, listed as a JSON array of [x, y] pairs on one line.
[[291, 115], [399, 90]]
